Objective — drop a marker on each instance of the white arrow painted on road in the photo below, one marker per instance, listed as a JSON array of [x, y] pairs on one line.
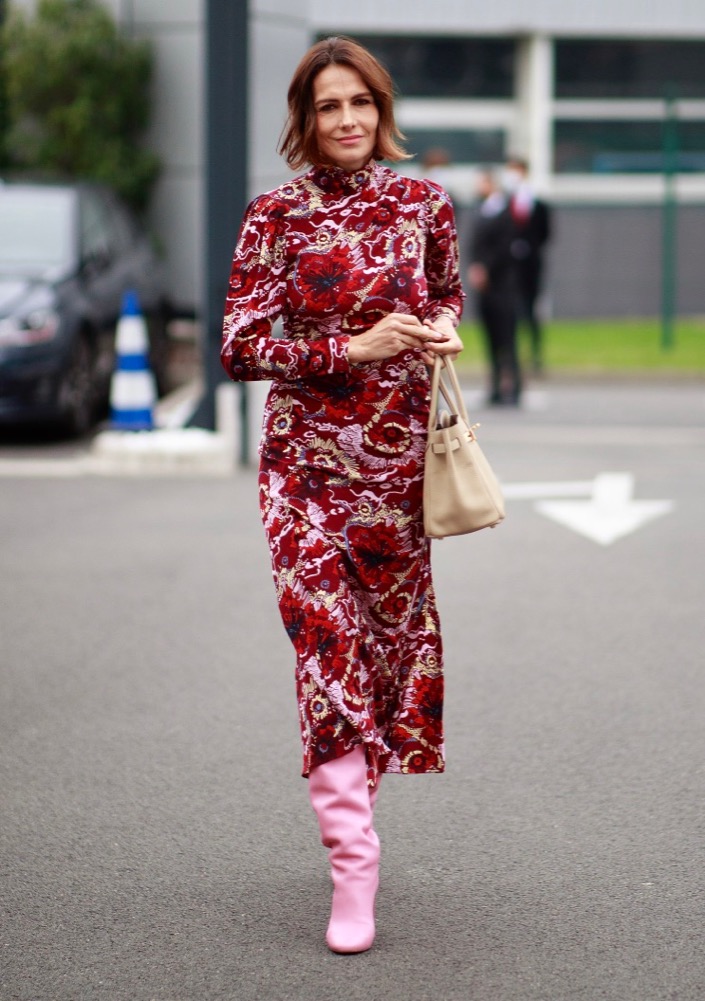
[[609, 514], [539, 491]]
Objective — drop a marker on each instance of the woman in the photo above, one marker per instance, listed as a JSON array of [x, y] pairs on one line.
[[362, 266]]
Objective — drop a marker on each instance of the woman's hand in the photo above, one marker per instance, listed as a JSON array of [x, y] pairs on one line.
[[394, 333], [446, 340]]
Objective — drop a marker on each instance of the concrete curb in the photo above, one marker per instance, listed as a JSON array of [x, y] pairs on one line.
[[166, 451], [171, 448]]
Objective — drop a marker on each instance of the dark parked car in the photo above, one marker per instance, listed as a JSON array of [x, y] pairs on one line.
[[68, 252]]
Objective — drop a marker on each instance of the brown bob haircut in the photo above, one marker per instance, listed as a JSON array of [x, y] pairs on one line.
[[298, 144]]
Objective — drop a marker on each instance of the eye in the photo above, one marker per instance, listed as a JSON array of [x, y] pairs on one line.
[[363, 100], [323, 108]]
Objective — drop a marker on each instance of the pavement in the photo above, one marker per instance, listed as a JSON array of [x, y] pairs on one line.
[[156, 843]]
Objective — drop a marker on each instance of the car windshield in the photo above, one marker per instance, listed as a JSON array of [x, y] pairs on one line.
[[36, 230]]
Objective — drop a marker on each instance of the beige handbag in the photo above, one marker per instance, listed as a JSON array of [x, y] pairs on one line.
[[460, 492]]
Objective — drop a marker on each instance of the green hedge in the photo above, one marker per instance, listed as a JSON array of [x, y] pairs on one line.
[[605, 346]]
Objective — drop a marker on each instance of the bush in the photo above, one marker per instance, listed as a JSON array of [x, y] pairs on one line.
[[78, 97]]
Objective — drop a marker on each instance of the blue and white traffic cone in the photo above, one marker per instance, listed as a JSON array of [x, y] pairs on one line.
[[133, 390]]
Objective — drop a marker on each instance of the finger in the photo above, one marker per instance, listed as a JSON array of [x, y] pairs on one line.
[[441, 330], [429, 337], [405, 318], [438, 348], [435, 334], [407, 324]]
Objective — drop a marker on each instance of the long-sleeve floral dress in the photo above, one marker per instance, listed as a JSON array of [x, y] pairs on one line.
[[341, 457]]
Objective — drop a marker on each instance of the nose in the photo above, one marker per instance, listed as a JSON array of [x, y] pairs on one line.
[[347, 117]]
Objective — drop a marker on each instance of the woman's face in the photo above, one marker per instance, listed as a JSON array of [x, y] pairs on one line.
[[346, 117]]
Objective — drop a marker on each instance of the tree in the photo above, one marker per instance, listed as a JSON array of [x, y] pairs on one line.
[[78, 97]]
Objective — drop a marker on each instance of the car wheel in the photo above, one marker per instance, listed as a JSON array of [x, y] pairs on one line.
[[76, 392]]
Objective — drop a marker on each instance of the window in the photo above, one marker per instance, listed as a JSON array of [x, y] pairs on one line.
[[624, 146], [36, 229], [95, 236], [423, 66], [121, 225], [461, 145], [629, 69]]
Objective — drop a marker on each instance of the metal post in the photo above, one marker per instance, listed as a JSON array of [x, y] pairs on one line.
[[227, 83], [669, 269]]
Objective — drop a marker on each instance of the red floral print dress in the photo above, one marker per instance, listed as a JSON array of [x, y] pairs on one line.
[[342, 451]]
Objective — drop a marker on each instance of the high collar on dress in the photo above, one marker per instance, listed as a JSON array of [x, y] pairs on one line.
[[336, 181]]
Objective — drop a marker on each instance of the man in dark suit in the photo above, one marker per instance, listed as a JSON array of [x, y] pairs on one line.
[[492, 275], [532, 222]]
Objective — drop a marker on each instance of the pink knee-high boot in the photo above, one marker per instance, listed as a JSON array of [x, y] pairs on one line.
[[340, 797]]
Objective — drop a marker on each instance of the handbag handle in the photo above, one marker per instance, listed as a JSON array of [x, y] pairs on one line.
[[454, 399]]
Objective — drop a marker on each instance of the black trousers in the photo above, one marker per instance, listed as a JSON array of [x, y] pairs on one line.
[[529, 276], [498, 315]]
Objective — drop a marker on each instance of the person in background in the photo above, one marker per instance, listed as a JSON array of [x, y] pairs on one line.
[[361, 263], [492, 276], [435, 162], [436, 167], [532, 222]]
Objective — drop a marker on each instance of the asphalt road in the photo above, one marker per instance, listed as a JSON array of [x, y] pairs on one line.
[[156, 843]]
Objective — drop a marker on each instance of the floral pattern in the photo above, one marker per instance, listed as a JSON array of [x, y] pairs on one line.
[[341, 456]]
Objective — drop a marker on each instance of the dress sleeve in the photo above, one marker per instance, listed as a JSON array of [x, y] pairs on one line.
[[445, 290], [257, 297]]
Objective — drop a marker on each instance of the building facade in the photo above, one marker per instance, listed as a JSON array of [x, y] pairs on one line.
[[603, 99]]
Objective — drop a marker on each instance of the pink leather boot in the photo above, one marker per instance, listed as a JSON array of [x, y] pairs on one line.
[[340, 797]]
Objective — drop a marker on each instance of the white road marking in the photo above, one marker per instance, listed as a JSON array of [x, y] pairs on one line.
[[538, 491], [610, 513]]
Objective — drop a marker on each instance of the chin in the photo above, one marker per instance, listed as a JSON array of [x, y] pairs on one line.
[[352, 160]]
